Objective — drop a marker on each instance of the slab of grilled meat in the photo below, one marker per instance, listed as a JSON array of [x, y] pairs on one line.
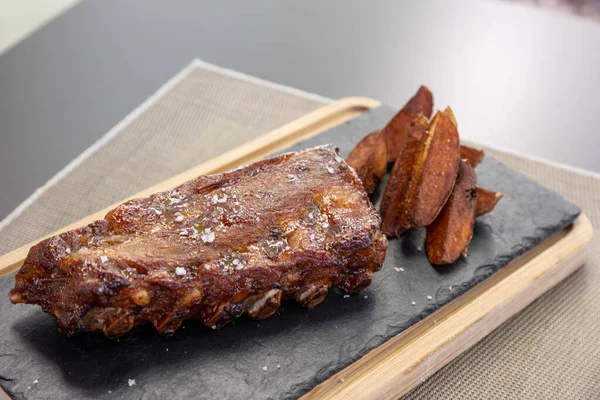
[[289, 227]]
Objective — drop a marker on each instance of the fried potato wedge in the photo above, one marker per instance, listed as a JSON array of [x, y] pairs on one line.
[[396, 131], [369, 160], [442, 154], [486, 201], [448, 111], [422, 178], [395, 207], [473, 155], [450, 233]]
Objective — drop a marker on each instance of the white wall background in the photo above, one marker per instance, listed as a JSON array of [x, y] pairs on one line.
[[19, 18]]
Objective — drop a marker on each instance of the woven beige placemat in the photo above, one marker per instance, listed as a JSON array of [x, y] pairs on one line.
[[550, 350]]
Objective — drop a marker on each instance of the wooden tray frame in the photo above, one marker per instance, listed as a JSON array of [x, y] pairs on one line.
[[409, 358]]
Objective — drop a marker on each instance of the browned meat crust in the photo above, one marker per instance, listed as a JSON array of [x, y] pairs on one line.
[[289, 227]]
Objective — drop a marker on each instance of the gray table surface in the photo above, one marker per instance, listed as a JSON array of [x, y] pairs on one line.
[[517, 77]]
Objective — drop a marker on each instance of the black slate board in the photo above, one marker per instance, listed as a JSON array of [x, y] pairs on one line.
[[299, 348]]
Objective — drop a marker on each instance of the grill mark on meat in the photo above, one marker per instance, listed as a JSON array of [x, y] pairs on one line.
[[289, 227]]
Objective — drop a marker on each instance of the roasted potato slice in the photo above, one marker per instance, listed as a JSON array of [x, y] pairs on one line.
[[448, 111], [379, 163], [473, 155], [396, 131], [486, 201], [439, 169], [450, 233], [369, 160], [423, 176], [394, 207]]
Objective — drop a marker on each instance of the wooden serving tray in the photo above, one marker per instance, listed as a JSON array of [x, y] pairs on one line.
[[399, 364]]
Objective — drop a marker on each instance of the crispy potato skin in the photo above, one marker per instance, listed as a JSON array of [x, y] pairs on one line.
[[396, 131], [486, 201], [433, 181], [423, 176], [399, 191], [451, 232], [471, 154], [369, 160], [439, 170], [361, 156], [379, 162]]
